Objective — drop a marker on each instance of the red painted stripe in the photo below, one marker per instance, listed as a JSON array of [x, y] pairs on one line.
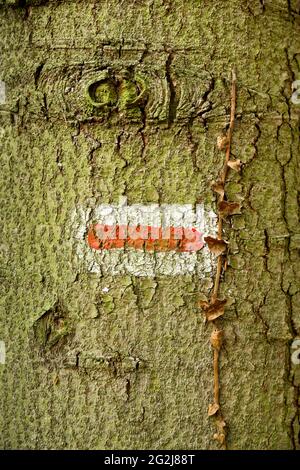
[[144, 237]]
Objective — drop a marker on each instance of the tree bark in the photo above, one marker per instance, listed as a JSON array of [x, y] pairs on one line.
[[105, 99]]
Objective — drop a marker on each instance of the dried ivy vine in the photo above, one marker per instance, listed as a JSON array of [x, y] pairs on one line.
[[215, 307]]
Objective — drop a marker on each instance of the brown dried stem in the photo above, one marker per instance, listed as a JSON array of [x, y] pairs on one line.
[[216, 378], [221, 435], [223, 180]]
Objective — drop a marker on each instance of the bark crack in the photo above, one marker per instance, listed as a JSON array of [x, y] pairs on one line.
[[172, 89]]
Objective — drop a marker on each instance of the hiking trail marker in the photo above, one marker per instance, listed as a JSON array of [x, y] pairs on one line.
[[145, 239]]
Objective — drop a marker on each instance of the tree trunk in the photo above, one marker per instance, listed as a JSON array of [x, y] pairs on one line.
[[108, 349]]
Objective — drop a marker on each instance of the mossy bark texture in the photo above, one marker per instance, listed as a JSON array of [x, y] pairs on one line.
[[127, 98]]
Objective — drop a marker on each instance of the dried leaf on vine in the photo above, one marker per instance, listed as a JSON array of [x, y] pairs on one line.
[[216, 246], [235, 165], [227, 208], [213, 310], [204, 305], [220, 437], [218, 187], [216, 339], [222, 141], [220, 424], [213, 409]]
